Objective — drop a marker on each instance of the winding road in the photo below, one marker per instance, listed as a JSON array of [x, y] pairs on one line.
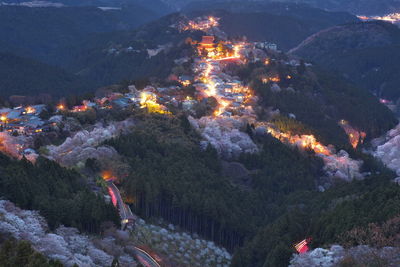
[[145, 258], [128, 218]]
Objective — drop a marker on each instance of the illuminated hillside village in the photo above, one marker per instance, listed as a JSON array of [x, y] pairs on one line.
[[234, 106]]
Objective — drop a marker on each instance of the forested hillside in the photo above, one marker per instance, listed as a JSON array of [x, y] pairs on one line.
[[49, 34], [362, 52], [113, 57], [62, 196], [20, 253], [24, 76], [177, 181], [37, 39], [320, 100], [326, 217]]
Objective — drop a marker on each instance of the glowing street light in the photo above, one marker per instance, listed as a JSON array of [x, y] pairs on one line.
[[60, 107], [107, 175]]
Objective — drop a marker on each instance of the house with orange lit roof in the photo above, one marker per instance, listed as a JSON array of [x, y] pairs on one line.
[[207, 42]]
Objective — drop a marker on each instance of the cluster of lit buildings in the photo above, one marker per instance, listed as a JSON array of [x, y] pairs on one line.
[[232, 96], [210, 80], [152, 98], [208, 48], [236, 99], [200, 24], [22, 120]]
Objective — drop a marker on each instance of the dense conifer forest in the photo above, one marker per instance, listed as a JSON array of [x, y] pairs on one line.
[[62, 196]]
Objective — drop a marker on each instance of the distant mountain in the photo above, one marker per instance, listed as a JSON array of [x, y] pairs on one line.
[[296, 10], [47, 34], [284, 24], [23, 76], [156, 6], [364, 53], [368, 7]]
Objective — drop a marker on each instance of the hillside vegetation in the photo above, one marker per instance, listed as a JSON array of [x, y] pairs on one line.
[[61, 196], [320, 100], [176, 180], [21, 253], [39, 44], [24, 76], [186, 186], [48, 34], [362, 52], [105, 58]]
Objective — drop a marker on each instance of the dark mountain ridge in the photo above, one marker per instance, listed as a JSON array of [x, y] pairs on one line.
[[362, 52], [47, 33], [125, 55], [367, 7], [24, 76]]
